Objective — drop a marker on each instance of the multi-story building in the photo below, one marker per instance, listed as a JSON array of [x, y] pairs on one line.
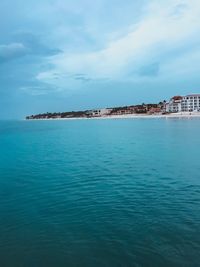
[[188, 103], [174, 104]]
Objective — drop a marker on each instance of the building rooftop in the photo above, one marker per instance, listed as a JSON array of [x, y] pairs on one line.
[[177, 97], [193, 95]]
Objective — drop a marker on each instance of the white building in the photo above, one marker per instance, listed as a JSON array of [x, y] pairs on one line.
[[189, 103], [174, 104], [99, 112]]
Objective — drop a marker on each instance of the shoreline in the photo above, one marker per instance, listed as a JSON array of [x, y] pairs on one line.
[[129, 116]]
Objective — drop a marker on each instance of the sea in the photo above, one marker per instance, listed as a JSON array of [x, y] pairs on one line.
[[100, 193]]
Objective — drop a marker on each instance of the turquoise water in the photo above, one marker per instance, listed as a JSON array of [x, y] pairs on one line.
[[100, 193]]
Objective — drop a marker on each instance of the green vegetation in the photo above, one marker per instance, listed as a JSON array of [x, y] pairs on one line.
[[135, 109]]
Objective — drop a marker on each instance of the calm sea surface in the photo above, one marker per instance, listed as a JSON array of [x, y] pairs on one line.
[[98, 193]]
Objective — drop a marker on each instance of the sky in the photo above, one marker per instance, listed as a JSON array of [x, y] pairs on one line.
[[62, 55]]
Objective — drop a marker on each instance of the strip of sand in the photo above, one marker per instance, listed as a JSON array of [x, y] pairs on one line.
[[181, 115]]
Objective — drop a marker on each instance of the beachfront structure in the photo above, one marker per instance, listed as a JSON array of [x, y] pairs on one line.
[[98, 112], [155, 110], [174, 104], [188, 103], [123, 110]]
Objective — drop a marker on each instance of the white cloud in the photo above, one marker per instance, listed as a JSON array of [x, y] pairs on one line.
[[166, 30]]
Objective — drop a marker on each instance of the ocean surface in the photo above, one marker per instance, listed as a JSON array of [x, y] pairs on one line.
[[100, 193]]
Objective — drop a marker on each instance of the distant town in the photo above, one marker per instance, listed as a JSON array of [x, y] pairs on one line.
[[177, 104]]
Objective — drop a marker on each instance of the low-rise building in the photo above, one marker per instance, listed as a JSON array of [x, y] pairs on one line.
[[123, 110], [154, 110], [98, 112]]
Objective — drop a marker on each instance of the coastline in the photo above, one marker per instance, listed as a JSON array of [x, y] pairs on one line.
[[181, 115]]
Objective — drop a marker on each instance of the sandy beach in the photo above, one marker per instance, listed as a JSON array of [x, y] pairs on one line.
[[182, 115], [159, 116]]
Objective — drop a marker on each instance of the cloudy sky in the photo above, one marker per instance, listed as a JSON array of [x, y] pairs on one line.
[[59, 55]]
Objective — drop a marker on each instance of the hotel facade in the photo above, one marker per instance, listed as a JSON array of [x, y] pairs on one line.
[[188, 103]]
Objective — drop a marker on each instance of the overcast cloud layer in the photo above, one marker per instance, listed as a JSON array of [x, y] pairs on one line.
[[62, 55]]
